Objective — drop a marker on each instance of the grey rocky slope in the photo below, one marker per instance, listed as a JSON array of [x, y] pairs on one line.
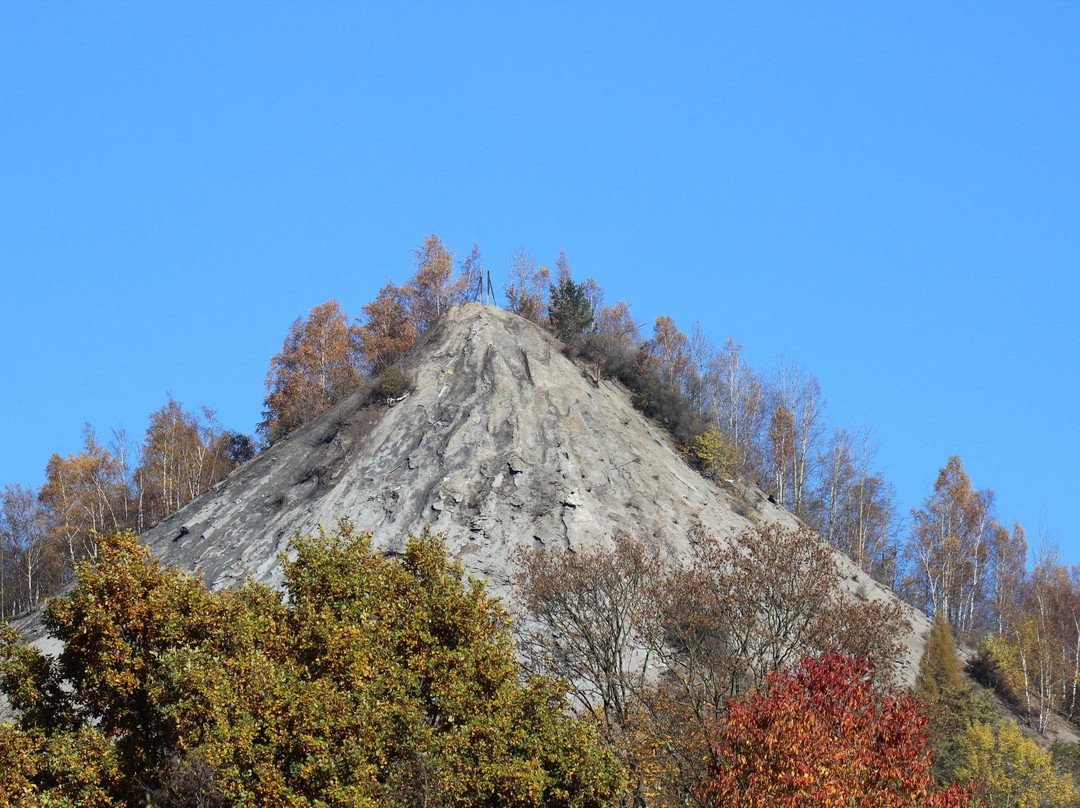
[[500, 442]]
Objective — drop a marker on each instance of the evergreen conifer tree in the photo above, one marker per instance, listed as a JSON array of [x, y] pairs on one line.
[[571, 312], [953, 703], [939, 669]]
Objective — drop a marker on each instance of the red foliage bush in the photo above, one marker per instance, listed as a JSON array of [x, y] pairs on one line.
[[825, 736]]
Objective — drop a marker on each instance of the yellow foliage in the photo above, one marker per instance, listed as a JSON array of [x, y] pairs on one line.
[[1004, 656], [372, 682], [711, 453], [1011, 769]]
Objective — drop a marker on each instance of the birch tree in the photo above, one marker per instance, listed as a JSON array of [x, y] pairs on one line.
[[317, 366], [183, 455], [857, 509], [25, 551], [670, 350], [471, 282], [798, 397], [85, 494], [431, 290], [781, 454], [526, 291], [949, 549], [739, 406]]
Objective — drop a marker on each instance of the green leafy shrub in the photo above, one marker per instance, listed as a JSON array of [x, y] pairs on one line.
[[392, 384], [372, 681]]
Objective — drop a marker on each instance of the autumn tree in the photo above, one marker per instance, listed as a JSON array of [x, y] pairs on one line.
[[126, 454], [103, 489], [699, 384], [1051, 609], [526, 291], [183, 455], [838, 469], [670, 350], [431, 290], [317, 366], [745, 609], [1010, 769], [1009, 559], [610, 349], [85, 493], [855, 507], [795, 433], [939, 667], [738, 406], [388, 330], [399, 314], [591, 615], [949, 547], [325, 357], [1037, 661], [780, 599], [712, 453], [370, 681], [952, 703], [615, 326], [78, 765], [471, 283], [657, 378], [781, 453], [29, 560], [591, 620], [18, 766], [706, 631], [824, 735]]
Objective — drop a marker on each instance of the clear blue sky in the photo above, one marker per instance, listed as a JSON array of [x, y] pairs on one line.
[[886, 193]]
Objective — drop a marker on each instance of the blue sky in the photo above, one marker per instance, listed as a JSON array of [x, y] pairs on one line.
[[886, 194]]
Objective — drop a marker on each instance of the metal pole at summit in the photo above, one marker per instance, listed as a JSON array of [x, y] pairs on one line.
[[485, 293]]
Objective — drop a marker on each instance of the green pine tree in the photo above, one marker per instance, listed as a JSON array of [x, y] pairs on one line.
[[939, 669], [953, 702], [570, 310]]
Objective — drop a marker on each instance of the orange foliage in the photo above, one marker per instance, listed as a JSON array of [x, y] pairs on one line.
[[824, 736], [389, 329], [317, 367], [670, 349], [430, 288]]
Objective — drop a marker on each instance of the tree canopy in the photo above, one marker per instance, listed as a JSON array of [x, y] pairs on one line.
[[318, 366], [571, 311], [823, 735], [371, 681]]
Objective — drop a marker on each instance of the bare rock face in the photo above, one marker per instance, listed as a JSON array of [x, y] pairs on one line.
[[500, 442]]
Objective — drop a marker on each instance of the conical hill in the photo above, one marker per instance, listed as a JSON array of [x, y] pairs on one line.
[[487, 432]]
